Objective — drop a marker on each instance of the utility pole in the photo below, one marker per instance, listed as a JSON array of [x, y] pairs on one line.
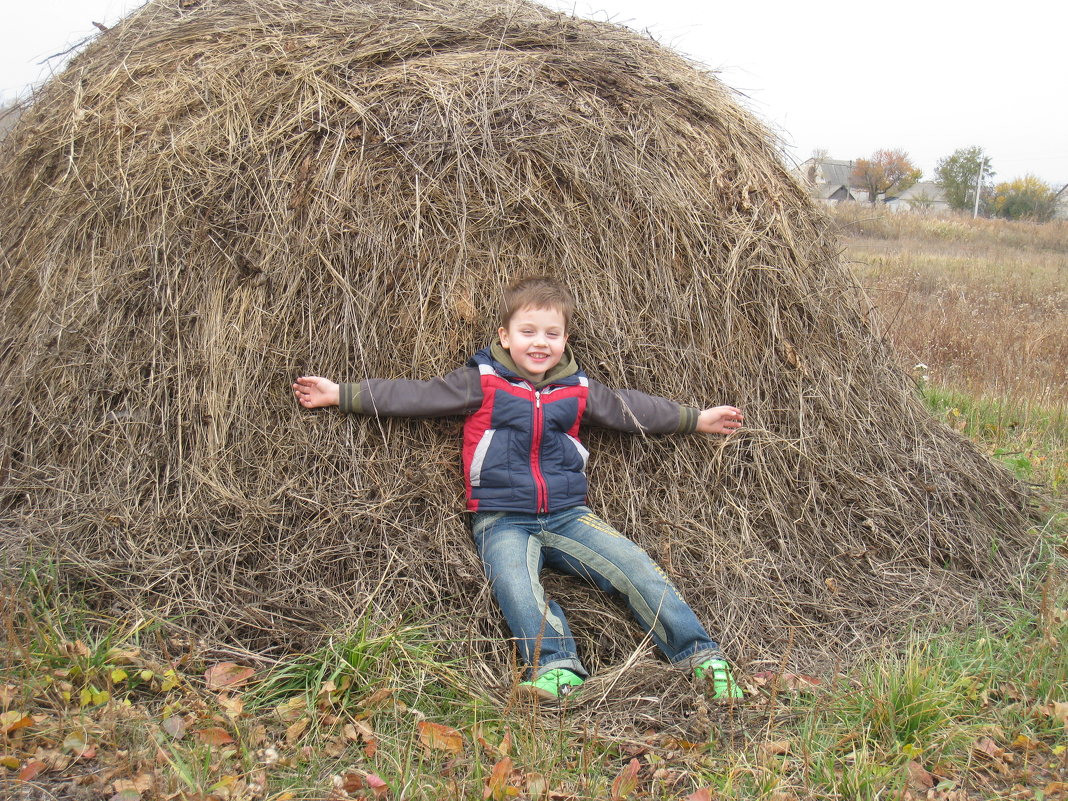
[[978, 181]]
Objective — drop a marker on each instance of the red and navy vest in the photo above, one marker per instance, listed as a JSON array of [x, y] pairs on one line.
[[521, 447]]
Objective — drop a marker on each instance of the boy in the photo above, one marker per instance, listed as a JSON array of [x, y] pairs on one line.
[[524, 466]]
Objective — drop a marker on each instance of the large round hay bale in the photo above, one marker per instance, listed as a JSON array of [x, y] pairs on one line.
[[216, 197]]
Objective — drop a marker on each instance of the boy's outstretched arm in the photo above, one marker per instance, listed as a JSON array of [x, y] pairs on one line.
[[720, 420], [313, 392]]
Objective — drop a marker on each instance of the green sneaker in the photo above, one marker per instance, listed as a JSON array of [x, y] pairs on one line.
[[555, 683], [718, 674]]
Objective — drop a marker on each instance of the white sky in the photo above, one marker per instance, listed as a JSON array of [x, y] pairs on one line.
[[850, 77]]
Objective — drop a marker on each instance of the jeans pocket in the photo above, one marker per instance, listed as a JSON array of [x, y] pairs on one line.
[[484, 520]]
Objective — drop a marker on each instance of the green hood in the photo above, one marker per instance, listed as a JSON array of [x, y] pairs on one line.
[[567, 366]]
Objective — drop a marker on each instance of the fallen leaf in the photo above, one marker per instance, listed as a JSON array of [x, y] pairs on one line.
[[31, 771], [704, 794], [227, 674], [290, 710], [233, 705], [536, 785], [174, 726], [10, 762], [214, 735], [497, 786], [126, 795], [76, 745], [378, 787], [442, 738], [377, 699], [13, 721], [626, 782], [1026, 743], [141, 783], [358, 730], [796, 682], [998, 757], [1056, 789], [919, 777], [775, 748], [295, 730]]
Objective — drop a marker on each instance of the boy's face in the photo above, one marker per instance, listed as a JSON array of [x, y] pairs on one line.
[[535, 339]]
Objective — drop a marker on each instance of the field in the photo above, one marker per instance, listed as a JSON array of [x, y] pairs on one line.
[[100, 706]]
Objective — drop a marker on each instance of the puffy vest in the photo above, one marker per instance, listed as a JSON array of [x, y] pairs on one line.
[[521, 448]]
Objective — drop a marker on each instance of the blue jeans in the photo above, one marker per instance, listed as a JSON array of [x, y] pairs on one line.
[[514, 548]]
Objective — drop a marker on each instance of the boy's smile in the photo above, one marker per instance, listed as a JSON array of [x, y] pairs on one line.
[[535, 340]]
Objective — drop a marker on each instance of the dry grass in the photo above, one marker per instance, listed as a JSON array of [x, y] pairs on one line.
[[985, 310], [214, 199]]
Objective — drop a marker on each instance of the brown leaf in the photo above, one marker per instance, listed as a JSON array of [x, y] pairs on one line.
[[214, 735], [358, 730], [378, 699], [31, 770], [626, 782], [295, 730], [227, 675], [174, 726], [535, 784], [919, 777], [126, 795], [233, 705], [796, 682], [141, 783], [378, 787], [775, 748], [497, 786], [704, 794], [442, 738], [290, 710]]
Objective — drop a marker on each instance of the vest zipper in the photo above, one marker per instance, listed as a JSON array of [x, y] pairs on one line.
[[535, 458]]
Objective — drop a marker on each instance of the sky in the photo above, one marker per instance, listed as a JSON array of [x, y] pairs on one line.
[[849, 78]]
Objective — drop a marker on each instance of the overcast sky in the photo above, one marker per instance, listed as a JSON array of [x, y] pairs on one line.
[[849, 77]]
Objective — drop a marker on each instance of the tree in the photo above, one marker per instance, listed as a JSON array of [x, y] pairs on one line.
[[958, 173], [886, 171], [1025, 198]]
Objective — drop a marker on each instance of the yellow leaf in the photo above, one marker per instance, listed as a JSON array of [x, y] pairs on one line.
[[10, 762], [170, 681], [101, 697], [85, 697], [118, 676], [626, 782], [442, 738], [13, 721], [146, 675], [294, 732]]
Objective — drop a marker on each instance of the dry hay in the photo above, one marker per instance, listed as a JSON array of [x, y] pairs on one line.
[[217, 197]]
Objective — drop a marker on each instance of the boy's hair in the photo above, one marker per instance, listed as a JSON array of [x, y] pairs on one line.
[[537, 293]]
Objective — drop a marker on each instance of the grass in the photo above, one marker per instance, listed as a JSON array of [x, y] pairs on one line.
[[974, 712], [138, 709]]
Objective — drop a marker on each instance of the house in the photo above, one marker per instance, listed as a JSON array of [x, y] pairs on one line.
[[1060, 204], [829, 180], [925, 196]]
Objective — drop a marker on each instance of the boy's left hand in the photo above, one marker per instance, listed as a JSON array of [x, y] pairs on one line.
[[720, 420]]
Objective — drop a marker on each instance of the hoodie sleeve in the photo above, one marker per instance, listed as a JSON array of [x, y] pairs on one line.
[[636, 413], [458, 393]]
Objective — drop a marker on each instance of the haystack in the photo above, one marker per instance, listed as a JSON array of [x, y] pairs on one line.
[[216, 197]]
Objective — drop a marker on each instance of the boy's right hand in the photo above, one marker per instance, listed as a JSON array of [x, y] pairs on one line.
[[313, 392]]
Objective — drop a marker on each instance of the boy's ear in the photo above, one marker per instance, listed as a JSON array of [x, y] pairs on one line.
[[502, 335]]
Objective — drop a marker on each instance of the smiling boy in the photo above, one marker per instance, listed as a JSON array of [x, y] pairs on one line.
[[524, 399]]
